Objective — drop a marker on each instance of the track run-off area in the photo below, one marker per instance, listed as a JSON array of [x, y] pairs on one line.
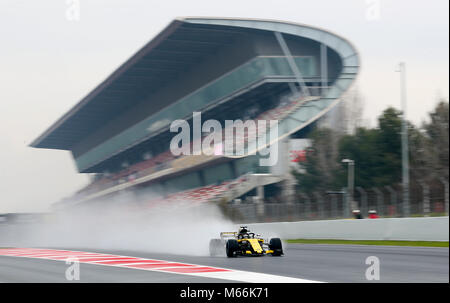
[[302, 263]]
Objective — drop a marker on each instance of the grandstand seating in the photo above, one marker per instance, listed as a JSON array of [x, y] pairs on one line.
[[164, 159], [197, 195]]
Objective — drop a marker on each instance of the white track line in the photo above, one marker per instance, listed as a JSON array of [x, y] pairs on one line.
[[221, 273]]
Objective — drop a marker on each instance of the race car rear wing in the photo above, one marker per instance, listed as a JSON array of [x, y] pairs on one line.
[[228, 234]]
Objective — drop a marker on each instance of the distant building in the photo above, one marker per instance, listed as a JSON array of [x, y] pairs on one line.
[[227, 69]]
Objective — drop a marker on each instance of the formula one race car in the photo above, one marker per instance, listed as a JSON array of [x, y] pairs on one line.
[[244, 243]]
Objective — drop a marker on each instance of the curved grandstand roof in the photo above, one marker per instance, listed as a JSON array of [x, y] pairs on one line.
[[181, 45]]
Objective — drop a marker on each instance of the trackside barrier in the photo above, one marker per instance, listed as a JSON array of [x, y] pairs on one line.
[[412, 229]]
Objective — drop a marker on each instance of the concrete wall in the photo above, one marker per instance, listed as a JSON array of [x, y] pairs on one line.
[[413, 229]]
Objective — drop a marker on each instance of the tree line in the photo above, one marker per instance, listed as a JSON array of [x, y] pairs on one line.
[[377, 153]]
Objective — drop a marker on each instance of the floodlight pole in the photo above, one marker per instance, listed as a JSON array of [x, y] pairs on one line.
[[405, 152], [350, 182]]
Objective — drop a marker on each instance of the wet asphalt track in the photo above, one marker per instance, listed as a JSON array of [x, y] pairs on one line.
[[327, 263]]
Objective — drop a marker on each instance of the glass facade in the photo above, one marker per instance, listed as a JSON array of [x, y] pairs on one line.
[[185, 182], [217, 174], [255, 70]]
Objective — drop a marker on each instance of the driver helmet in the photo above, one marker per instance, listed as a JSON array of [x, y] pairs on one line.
[[243, 230]]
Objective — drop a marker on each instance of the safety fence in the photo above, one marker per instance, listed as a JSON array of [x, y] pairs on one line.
[[426, 199]]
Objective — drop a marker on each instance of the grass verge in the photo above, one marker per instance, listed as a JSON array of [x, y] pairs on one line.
[[371, 242]]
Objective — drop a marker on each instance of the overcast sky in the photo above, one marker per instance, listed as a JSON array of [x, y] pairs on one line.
[[49, 61]]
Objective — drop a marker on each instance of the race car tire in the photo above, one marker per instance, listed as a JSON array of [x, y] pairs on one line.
[[231, 248], [215, 247], [276, 246]]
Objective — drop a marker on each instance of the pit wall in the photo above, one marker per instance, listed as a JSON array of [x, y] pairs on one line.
[[408, 229]]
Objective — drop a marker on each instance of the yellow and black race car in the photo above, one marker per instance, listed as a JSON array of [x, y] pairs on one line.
[[244, 243]]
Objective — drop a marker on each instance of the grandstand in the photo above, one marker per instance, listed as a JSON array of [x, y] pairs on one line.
[[227, 69]]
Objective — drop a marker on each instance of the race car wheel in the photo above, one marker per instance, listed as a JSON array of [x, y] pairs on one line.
[[215, 247], [275, 245], [231, 248]]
